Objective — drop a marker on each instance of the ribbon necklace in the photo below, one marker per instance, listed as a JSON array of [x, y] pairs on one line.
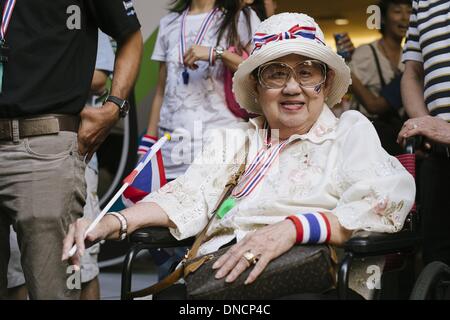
[[259, 167], [255, 173], [198, 39]]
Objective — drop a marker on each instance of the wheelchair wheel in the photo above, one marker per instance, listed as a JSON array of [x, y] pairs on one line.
[[433, 283]]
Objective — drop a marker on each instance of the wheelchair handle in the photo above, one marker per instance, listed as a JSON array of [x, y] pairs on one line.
[[412, 144]]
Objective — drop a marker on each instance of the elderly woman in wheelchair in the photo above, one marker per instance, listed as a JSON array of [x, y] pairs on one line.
[[309, 177]]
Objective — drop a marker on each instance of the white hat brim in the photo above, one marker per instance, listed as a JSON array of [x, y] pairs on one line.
[[244, 88]]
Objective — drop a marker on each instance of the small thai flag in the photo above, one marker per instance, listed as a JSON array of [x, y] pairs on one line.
[[148, 176], [151, 178]]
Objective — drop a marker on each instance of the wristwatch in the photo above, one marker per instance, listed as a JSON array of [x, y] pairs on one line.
[[218, 51], [124, 105]]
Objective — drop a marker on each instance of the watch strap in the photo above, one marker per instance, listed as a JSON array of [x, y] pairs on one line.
[[121, 103], [219, 51]]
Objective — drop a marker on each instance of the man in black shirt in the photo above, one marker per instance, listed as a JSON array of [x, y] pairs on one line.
[[46, 133]]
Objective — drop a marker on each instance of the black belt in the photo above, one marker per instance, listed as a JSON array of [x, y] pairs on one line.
[[15, 129]]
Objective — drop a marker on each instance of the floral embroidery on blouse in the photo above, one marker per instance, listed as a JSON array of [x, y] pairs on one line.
[[338, 167]]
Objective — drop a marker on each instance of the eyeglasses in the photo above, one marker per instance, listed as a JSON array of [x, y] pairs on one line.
[[308, 74]]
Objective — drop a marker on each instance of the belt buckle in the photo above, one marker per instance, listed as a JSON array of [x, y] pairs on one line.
[[15, 131], [39, 126]]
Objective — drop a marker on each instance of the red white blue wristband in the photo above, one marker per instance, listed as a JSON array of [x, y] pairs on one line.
[[311, 228], [147, 142]]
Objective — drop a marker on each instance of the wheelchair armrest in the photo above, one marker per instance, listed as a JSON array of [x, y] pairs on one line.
[[160, 237], [373, 244]]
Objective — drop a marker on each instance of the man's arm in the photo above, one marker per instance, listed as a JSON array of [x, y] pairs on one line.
[[126, 67], [412, 89], [96, 123]]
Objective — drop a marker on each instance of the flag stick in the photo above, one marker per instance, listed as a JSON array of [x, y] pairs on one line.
[[127, 182]]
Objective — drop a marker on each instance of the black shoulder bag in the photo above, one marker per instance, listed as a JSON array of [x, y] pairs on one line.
[[389, 124]]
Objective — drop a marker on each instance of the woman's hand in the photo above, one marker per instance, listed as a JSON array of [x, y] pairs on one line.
[[264, 244], [194, 54], [75, 235]]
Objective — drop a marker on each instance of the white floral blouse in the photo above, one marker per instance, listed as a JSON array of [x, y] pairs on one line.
[[338, 167]]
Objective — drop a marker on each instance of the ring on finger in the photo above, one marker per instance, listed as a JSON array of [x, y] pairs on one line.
[[248, 264], [250, 258]]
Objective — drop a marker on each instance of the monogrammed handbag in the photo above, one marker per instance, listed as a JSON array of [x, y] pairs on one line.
[[303, 269]]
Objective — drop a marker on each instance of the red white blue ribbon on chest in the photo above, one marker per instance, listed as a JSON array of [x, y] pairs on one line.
[[258, 168], [206, 24]]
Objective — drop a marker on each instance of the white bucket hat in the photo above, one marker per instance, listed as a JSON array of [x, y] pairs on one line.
[[284, 34]]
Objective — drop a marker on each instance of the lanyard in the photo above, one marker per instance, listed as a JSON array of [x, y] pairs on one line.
[[258, 169], [4, 50], [198, 39], [6, 18], [201, 33]]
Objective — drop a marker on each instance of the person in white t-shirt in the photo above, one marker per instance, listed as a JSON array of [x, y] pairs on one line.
[[194, 47], [190, 95]]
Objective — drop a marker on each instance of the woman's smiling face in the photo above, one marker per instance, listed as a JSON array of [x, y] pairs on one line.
[[293, 109]]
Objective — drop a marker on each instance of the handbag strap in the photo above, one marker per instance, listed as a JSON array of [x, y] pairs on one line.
[[184, 269], [377, 62], [192, 253]]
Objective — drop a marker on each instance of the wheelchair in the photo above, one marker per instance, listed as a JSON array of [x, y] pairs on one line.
[[398, 248], [433, 283]]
